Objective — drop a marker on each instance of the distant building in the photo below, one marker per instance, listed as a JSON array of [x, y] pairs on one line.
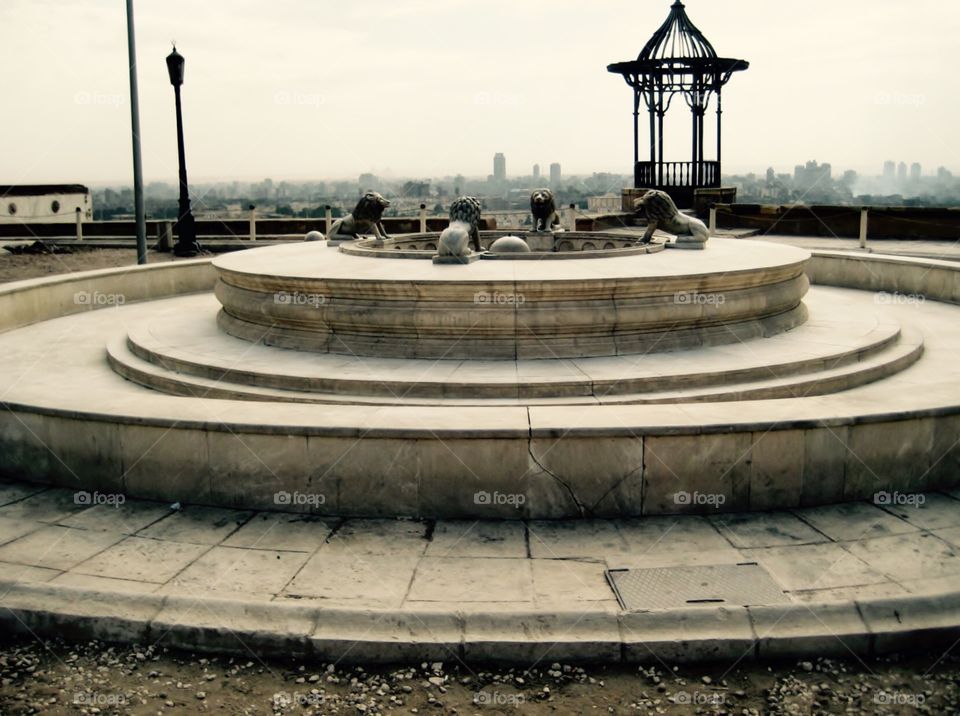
[[889, 170], [608, 203], [555, 174], [915, 171], [368, 182], [45, 203], [902, 172], [499, 167], [771, 175], [536, 172], [812, 174]]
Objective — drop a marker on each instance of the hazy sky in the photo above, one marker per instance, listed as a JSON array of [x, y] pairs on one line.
[[302, 89]]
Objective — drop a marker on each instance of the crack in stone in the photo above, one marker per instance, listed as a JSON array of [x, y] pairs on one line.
[[580, 506], [536, 462], [623, 479]]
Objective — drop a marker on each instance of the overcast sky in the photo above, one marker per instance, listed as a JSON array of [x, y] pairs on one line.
[[312, 89]]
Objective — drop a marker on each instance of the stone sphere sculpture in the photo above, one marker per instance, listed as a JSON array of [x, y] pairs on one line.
[[543, 206], [313, 236], [662, 213], [365, 219], [510, 245]]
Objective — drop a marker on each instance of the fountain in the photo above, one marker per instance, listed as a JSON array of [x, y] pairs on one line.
[[594, 375]]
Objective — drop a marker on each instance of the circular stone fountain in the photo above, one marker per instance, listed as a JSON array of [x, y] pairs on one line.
[[589, 377], [360, 304]]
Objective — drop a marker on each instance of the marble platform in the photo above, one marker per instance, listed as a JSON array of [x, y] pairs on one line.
[[862, 398]]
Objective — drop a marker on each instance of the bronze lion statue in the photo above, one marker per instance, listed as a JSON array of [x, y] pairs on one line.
[[543, 206], [663, 214], [365, 219]]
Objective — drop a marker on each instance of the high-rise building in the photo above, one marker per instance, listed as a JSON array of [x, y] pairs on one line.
[[915, 171], [889, 170], [812, 174], [902, 172], [536, 172], [555, 174], [499, 167]]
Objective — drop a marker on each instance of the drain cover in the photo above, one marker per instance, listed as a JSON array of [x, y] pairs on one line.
[[743, 584]]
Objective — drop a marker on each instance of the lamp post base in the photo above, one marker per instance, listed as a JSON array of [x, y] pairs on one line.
[[187, 248], [186, 230]]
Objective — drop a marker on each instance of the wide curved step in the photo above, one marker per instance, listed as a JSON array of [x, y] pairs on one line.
[[851, 369]]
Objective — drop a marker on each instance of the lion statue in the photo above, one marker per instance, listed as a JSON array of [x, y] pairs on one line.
[[455, 240], [663, 214], [544, 210], [365, 219], [463, 230]]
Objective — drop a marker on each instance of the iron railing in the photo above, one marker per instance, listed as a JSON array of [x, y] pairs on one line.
[[677, 174]]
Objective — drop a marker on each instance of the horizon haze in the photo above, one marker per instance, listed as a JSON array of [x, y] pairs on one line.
[[304, 90]]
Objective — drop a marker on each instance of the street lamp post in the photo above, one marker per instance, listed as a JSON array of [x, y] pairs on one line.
[[186, 230]]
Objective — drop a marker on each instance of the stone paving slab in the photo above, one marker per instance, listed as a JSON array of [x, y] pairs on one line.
[[141, 559], [470, 538], [854, 521], [766, 529], [921, 248], [56, 547], [375, 590], [382, 579]]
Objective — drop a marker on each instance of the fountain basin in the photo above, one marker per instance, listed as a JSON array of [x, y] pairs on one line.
[[305, 297]]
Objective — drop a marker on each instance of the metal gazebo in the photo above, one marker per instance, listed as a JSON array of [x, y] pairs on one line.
[[677, 59]]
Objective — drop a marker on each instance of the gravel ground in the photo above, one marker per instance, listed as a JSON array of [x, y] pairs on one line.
[[92, 678], [16, 267]]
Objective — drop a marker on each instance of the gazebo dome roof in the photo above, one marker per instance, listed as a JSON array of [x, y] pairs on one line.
[[678, 58], [677, 38]]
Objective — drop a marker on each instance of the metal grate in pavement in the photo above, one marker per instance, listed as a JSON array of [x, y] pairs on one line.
[[743, 584]]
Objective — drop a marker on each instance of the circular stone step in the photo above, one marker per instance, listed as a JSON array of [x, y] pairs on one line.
[[185, 354]]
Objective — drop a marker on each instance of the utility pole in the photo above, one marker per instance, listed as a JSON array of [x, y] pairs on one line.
[[135, 131]]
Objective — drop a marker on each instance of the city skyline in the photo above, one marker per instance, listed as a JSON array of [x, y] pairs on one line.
[[915, 170], [287, 109]]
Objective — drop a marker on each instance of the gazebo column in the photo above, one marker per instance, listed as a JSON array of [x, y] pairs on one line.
[[693, 138], [701, 164], [719, 112], [660, 139], [652, 105]]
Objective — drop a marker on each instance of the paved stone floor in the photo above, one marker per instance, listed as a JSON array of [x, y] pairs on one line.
[[920, 248], [836, 553]]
